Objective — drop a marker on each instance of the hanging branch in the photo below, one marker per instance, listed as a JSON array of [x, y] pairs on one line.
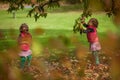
[[39, 10], [38, 6], [86, 13]]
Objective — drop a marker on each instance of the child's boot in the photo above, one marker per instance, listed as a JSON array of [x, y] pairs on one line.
[[96, 56], [29, 59], [22, 64]]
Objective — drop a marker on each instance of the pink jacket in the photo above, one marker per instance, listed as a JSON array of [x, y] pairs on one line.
[[92, 36], [24, 41]]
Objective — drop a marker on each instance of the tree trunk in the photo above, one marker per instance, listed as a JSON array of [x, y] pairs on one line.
[[14, 14]]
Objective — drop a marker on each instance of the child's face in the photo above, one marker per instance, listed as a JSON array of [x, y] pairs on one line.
[[93, 22], [24, 29], [90, 23]]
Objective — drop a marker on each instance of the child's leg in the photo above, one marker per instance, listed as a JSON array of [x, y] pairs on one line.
[[29, 59], [23, 60], [96, 56]]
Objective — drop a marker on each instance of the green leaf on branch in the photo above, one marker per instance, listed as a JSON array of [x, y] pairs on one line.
[[36, 16], [109, 14], [30, 13], [77, 26]]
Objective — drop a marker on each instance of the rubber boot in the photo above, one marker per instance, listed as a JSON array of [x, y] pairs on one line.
[[29, 59], [96, 57], [22, 64]]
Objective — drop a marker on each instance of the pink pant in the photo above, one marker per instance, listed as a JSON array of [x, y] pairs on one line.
[[95, 46]]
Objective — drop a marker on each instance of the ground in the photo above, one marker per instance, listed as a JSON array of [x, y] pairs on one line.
[[69, 67]]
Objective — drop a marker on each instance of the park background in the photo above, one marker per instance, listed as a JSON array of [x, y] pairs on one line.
[[54, 39]]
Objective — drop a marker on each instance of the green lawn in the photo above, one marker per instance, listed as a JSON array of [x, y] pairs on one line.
[[58, 20], [56, 24]]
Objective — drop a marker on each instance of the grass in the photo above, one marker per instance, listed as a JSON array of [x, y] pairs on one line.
[[56, 23]]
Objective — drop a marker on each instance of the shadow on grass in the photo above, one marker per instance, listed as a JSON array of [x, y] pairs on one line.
[[8, 37]]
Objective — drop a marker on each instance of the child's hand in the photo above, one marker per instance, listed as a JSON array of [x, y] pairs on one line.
[[83, 20]]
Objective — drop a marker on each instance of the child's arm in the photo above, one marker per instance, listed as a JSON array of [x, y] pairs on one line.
[[83, 22], [85, 25], [88, 30], [29, 39], [18, 39]]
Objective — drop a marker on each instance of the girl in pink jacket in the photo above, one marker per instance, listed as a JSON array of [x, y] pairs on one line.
[[24, 42], [91, 31]]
